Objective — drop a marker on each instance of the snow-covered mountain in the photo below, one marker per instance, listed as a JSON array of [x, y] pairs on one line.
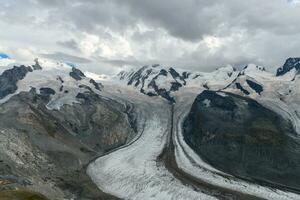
[[234, 109], [161, 81], [55, 120], [61, 81], [291, 64], [252, 81]]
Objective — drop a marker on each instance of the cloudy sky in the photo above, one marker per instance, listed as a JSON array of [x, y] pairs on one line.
[[105, 35]]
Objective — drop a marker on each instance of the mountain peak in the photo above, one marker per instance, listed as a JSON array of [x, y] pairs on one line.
[[290, 64], [165, 81]]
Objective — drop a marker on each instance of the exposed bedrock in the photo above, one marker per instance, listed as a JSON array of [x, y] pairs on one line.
[[47, 150], [239, 136], [9, 79], [76, 74]]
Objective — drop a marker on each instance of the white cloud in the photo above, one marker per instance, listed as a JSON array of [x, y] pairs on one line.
[[200, 35]]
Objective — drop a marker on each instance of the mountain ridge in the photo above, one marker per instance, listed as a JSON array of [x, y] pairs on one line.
[[157, 80]]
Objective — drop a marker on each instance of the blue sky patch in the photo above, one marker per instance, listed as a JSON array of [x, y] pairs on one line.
[[3, 56], [71, 64]]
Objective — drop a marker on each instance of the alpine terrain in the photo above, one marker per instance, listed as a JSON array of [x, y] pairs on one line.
[[153, 132]]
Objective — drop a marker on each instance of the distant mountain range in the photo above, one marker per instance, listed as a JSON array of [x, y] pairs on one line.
[[70, 136], [162, 81]]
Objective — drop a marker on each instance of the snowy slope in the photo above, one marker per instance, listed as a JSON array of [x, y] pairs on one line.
[[253, 81], [62, 81]]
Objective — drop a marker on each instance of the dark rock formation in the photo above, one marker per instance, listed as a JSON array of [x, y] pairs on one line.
[[255, 86], [60, 79], [136, 76], [289, 64], [238, 86], [97, 86], [240, 137], [37, 65], [47, 91], [76, 74], [141, 76], [86, 87], [175, 86], [176, 75], [160, 91], [9, 79]]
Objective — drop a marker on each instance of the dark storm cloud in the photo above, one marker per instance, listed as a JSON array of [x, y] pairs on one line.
[[189, 19]]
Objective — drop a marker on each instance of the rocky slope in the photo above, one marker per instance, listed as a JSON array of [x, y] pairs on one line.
[[53, 122], [239, 136]]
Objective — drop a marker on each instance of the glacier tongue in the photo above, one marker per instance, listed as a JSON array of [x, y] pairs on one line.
[[133, 171]]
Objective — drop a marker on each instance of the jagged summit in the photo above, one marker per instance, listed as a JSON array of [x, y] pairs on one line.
[[151, 80], [157, 80], [289, 65]]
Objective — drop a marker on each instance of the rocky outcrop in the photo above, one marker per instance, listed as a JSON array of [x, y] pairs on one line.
[[76, 74], [162, 81], [47, 91], [290, 63], [37, 65], [9, 79], [241, 137], [150, 80], [182, 77], [97, 85], [238, 86], [255, 86]]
